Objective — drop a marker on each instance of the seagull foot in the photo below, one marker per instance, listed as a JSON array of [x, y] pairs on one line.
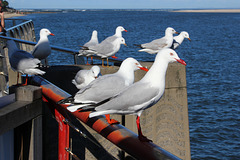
[[114, 57], [111, 121]]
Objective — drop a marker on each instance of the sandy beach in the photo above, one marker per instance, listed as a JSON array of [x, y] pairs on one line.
[[211, 10], [10, 15]]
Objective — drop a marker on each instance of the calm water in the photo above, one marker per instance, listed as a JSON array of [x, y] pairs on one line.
[[212, 57]]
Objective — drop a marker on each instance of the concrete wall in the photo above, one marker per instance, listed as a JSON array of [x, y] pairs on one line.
[[166, 123]]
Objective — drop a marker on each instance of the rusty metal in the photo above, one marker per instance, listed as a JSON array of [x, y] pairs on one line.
[[117, 134]]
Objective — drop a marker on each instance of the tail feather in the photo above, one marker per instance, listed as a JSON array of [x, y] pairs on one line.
[[138, 45], [83, 107], [34, 71], [66, 100]]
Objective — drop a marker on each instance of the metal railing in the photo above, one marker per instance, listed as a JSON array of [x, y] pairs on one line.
[[24, 34], [120, 136]]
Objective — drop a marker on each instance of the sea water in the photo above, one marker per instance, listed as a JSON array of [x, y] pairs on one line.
[[212, 59]]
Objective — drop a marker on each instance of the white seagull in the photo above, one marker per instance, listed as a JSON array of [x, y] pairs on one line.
[[177, 40], [42, 49], [142, 94], [92, 42], [84, 77], [105, 86], [156, 45], [118, 34], [107, 48], [22, 61]]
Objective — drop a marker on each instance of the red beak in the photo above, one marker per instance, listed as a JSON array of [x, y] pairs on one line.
[[143, 68], [125, 30], [181, 61], [52, 34]]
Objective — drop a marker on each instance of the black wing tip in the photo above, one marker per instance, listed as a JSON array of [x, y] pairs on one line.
[[68, 99], [138, 45]]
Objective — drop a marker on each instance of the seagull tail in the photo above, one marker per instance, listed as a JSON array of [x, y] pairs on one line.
[[138, 45], [81, 107], [66, 100], [99, 113]]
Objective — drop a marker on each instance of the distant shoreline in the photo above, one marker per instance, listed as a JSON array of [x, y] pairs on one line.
[[210, 10], [23, 13], [10, 15]]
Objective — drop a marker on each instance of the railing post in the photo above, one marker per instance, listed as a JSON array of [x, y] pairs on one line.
[[63, 137]]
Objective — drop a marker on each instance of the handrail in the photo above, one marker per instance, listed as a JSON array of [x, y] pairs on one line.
[[57, 48], [67, 50], [117, 134]]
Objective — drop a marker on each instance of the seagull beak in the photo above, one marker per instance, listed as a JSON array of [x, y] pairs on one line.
[[143, 68], [125, 30], [125, 44], [177, 32], [51, 34], [181, 61], [189, 39]]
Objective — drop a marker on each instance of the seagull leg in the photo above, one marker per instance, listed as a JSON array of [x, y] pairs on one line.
[[91, 60], [108, 64], [87, 62], [111, 121], [141, 137], [103, 62], [26, 80]]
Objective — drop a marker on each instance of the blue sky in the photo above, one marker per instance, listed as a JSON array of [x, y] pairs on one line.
[[125, 4]]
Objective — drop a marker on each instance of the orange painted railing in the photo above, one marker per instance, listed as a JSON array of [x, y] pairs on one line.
[[117, 134]]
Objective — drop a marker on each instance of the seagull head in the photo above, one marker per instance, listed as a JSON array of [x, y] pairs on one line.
[[122, 41], [170, 30], [45, 32], [95, 70], [120, 29], [185, 35], [170, 56], [134, 64]]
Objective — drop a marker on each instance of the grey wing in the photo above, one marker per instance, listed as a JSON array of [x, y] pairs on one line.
[[90, 43], [135, 97], [34, 50], [111, 38], [156, 44], [17, 57], [21, 60], [79, 78], [104, 47], [100, 89]]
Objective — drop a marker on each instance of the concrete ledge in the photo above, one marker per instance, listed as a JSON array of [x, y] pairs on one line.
[[15, 113]]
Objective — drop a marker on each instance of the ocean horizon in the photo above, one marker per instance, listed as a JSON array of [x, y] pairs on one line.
[[212, 63]]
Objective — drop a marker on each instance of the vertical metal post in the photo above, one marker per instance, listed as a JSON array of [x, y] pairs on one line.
[[63, 137]]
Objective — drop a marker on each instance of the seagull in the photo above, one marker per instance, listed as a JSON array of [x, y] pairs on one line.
[[22, 61], [84, 77], [154, 46], [141, 95], [118, 34], [42, 49], [92, 42], [105, 86], [106, 48], [177, 40]]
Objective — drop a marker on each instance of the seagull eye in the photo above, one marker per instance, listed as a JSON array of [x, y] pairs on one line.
[[171, 54]]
